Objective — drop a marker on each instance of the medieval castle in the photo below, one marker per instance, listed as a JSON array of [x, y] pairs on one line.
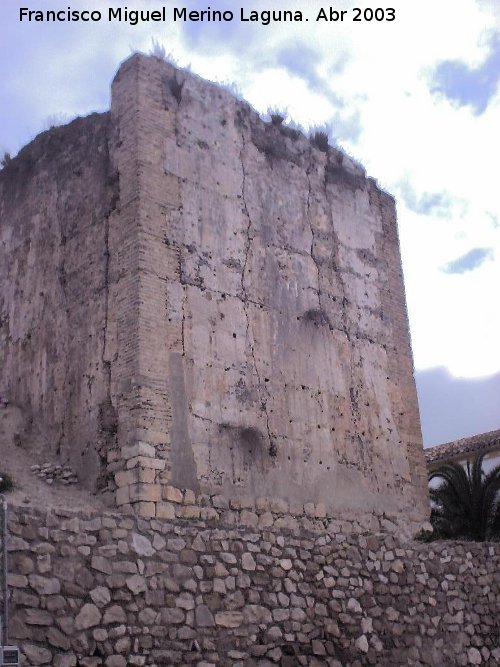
[[196, 298], [202, 315]]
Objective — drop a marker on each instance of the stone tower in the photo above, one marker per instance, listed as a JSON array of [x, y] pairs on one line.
[[194, 298]]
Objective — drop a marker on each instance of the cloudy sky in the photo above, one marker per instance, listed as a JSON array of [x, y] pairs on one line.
[[416, 100]]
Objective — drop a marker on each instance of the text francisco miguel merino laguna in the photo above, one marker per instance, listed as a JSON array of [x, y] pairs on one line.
[[133, 16]]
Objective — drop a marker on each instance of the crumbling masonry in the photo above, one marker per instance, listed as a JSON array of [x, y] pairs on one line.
[[195, 299]]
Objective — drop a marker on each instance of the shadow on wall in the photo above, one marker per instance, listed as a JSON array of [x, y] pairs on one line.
[[452, 408]]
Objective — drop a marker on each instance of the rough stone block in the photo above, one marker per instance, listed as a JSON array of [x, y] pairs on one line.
[[165, 510], [134, 476], [229, 619], [146, 462], [189, 497], [187, 511], [139, 449], [123, 495], [172, 494], [145, 509], [88, 616], [145, 492]]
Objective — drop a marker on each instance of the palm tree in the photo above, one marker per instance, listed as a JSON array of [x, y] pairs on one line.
[[467, 502]]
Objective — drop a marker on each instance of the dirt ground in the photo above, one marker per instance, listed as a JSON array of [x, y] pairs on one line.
[[19, 450]]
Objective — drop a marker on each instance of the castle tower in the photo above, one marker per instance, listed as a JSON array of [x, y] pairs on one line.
[[223, 306]]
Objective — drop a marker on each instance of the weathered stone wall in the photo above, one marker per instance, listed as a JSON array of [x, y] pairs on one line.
[[272, 347], [197, 298], [120, 590], [55, 199]]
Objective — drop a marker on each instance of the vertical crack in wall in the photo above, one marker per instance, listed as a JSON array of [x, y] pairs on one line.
[[313, 239], [62, 279], [183, 320], [353, 386], [106, 362], [112, 207], [107, 417], [176, 90], [336, 245], [248, 241], [104, 476]]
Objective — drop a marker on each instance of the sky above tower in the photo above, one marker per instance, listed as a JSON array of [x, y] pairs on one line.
[[415, 99]]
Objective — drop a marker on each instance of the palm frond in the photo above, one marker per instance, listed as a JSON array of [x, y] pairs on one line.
[[467, 501]]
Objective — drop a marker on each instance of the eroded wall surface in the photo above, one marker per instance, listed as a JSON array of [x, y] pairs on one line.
[[273, 351], [194, 298], [55, 198]]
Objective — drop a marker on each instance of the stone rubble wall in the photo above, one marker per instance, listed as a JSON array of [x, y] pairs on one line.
[[120, 590], [54, 472]]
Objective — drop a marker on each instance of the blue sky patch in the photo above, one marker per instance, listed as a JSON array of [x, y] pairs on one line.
[[470, 261], [301, 61], [469, 86], [346, 127], [428, 203]]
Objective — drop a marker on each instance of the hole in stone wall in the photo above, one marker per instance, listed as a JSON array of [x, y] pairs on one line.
[[251, 437], [317, 317]]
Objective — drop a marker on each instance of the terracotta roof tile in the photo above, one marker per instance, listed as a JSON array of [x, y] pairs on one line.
[[476, 444]]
